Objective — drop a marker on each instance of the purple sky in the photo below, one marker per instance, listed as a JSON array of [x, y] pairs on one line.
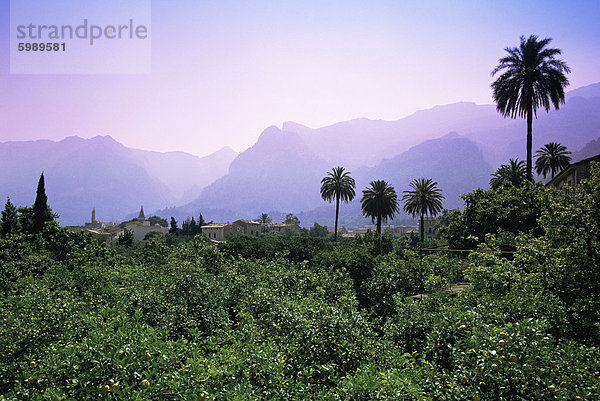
[[222, 71]]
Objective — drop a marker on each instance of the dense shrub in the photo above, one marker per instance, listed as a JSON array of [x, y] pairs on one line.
[[507, 209], [307, 318]]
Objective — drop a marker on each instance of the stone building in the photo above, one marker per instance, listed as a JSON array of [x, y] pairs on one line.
[[430, 225], [574, 173], [141, 227]]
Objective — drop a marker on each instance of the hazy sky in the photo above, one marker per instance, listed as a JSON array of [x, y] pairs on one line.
[[222, 71]]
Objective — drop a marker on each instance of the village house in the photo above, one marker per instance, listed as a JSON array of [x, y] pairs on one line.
[[251, 228], [222, 231], [401, 231], [430, 225], [141, 227], [574, 173], [279, 228]]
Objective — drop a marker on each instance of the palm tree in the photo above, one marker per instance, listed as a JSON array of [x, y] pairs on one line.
[[338, 185], [513, 172], [532, 78], [552, 157], [424, 198], [379, 202], [264, 220]]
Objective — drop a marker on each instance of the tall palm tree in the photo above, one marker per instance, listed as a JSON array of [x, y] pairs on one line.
[[424, 198], [552, 157], [338, 185], [264, 220], [531, 78], [513, 172], [379, 202]]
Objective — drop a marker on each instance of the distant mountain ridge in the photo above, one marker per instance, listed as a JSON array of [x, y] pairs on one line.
[[364, 142], [453, 161], [457, 145], [280, 173], [100, 172], [591, 149]]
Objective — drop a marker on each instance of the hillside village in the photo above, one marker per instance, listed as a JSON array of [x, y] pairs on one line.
[[219, 232], [141, 227]]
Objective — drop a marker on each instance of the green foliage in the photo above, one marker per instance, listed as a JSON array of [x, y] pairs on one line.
[[291, 219], [189, 227], [318, 231], [295, 248], [201, 223], [302, 318], [26, 219], [407, 275], [41, 213], [126, 238], [9, 223], [156, 220], [376, 244], [173, 229], [511, 209]]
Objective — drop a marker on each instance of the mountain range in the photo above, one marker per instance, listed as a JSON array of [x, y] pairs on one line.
[[100, 172], [458, 145]]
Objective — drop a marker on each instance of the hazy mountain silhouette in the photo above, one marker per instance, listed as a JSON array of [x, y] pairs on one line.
[[454, 162], [590, 149], [574, 125], [587, 92], [183, 173], [283, 170], [364, 142], [102, 173], [278, 173]]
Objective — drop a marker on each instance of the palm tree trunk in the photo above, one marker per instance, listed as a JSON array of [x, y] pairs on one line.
[[422, 229], [529, 144], [337, 210], [379, 224]]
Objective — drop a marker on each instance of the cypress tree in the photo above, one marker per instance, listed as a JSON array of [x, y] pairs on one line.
[[41, 212], [193, 227], [185, 227], [201, 223], [173, 229], [9, 223]]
